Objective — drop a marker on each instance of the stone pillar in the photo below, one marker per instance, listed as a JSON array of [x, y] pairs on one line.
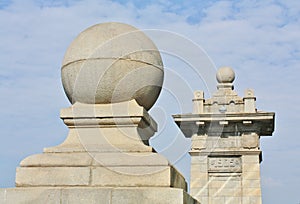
[[225, 152], [106, 157]]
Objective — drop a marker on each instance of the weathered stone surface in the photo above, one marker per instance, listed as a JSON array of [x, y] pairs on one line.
[[107, 63], [250, 141], [164, 176], [88, 195], [112, 74], [225, 153], [104, 154], [53, 176], [150, 196], [30, 195]]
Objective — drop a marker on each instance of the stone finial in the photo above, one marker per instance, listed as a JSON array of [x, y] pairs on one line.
[[225, 75], [111, 63], [249, 101], [198, 102]]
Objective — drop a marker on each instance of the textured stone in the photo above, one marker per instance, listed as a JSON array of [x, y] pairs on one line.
[[30, 195], [108, 63], [225, 152], [150, 196], [162, 176], [88, 195], [251, 175], [58, 160], [53, 176], [252, 183], [112, 74], [251, 200], [250, 141]]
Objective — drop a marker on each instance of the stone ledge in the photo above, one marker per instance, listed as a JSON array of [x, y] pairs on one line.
[[88, 195], [83, 159], [113, 176]]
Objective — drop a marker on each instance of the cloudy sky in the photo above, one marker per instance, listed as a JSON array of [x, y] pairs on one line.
[[259, 39]]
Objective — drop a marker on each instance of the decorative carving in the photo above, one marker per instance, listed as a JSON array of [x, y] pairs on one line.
[[224, 164]]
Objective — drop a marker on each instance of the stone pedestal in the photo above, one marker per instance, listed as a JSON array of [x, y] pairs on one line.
[[112, 73], [225, 155], [105, 159]]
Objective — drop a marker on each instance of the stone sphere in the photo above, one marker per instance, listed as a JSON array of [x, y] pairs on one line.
[[111, 63], [225, 75]]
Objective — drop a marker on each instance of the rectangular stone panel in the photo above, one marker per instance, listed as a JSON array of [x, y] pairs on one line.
[[30, 195], [86, 195], [224, 164], [53, 176], [151, 196], [226, 187], [95, 195], [137, 176]]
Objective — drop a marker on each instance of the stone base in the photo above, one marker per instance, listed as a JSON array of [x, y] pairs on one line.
[[88, 195], [106, 147], [98, 169]]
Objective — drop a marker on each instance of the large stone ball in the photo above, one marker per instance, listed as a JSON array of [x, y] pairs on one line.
[[225, 75], [110, 63]]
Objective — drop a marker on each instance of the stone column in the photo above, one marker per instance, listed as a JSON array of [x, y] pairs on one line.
[[225, 152]]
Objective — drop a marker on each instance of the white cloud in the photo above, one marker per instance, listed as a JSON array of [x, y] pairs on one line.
[[260, 39]]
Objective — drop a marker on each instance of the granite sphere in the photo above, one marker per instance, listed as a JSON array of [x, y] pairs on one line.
[[225, 75], [111, 63]]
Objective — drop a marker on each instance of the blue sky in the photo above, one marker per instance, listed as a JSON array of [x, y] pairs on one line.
[[259, 39]]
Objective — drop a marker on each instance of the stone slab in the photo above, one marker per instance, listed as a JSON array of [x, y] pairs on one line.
[[88, 195], [108, 176], [53, 176], [81, 159], [150, 196], [155, 176], [30, 196]]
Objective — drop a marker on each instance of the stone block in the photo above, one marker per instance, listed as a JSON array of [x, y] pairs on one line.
[[216, 200], [251, 167], [128, 159], [57, 160], [31, 195], [202, 199], [226, 184], [251, 200], [53, 176], [251, 175], [233, 200], [252, 183], [202, 160], [86, 195], [225, 192], [199, 168], [150, 196], [199, 184], [137, 176], [95, 195], [199, 191], [250, 159], [250, 141], [256, 192], [199, 142], [198, 176]]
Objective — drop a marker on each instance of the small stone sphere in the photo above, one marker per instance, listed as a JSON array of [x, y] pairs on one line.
[[111, 63], [225, 75]]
